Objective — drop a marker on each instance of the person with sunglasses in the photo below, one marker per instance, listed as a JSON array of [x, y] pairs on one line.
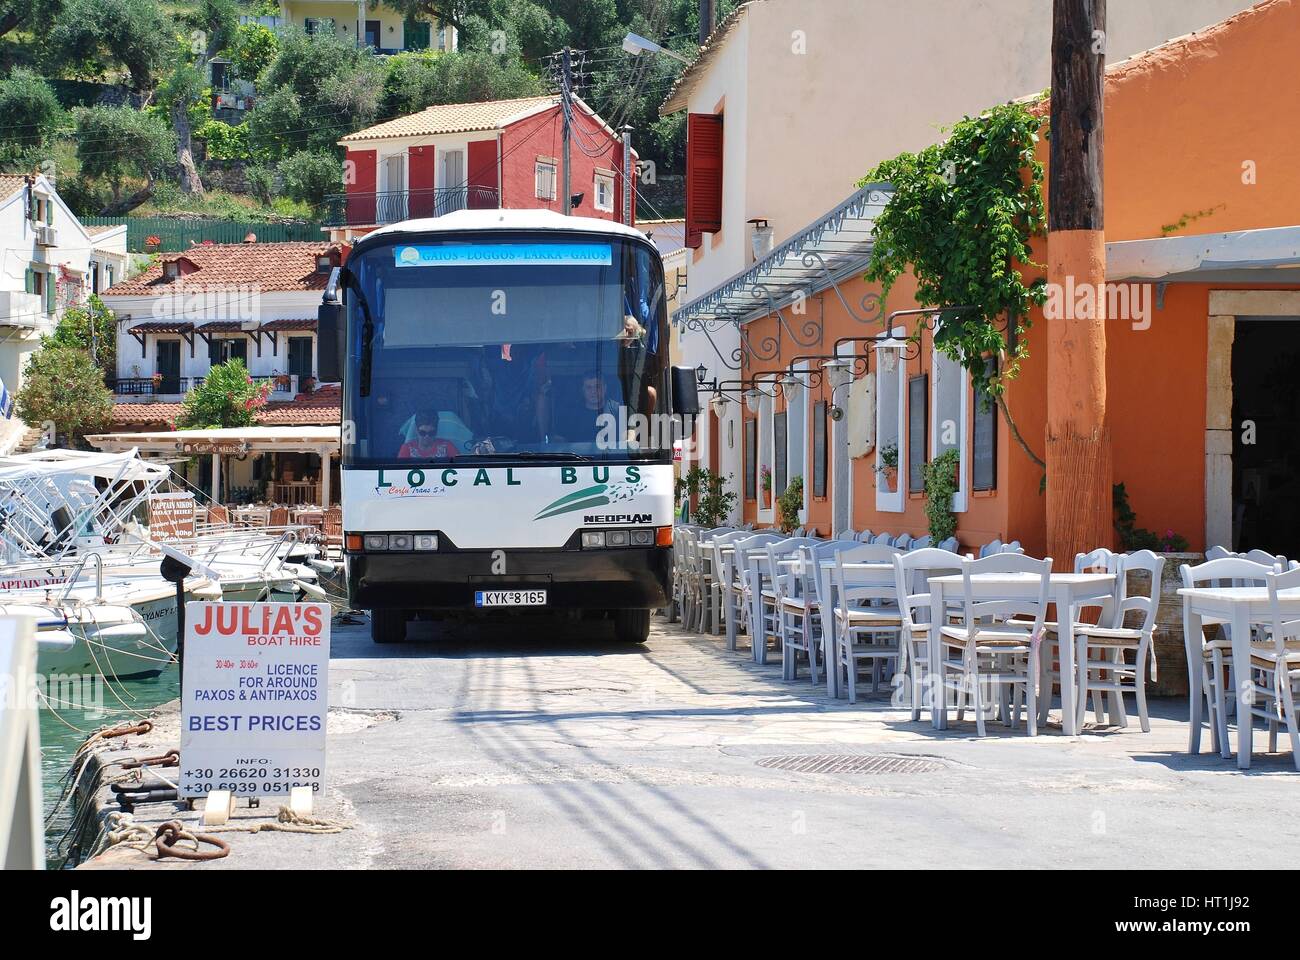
[[427, 445]]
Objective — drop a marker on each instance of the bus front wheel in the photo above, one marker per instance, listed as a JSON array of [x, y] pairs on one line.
[[631, 626], [388, 626]]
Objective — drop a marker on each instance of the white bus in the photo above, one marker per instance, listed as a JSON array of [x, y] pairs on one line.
[[508, 419]]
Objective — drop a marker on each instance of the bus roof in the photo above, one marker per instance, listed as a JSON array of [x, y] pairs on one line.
[[486, 220]]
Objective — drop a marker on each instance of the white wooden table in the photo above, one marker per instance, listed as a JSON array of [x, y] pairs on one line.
[[1238, 607], [1068, 591]]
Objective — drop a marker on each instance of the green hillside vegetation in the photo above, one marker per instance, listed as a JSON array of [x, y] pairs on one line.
[[112, 97]]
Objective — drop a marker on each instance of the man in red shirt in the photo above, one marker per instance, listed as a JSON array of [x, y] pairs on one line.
[[427, 445]]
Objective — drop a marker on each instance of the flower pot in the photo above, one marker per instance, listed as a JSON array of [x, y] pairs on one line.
[[1170, 650]]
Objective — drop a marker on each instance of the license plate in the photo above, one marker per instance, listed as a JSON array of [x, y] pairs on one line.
[[509, 598]]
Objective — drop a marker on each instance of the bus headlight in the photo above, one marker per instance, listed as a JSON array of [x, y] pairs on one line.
[[593, 538], [426, 541], [376, 541], [626, 537], [399, 541], [643, 538]]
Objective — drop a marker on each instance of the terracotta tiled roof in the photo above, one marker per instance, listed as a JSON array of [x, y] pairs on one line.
[[453, 118], [320, 408], [281, 413], [271, 266], [685, 83], [11, 183], [161, 326], [305, 323], [144, 414]]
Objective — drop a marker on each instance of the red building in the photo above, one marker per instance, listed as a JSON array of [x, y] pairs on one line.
[[499, 154]]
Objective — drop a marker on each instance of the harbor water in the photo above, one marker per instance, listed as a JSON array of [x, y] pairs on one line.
[[74, 712]]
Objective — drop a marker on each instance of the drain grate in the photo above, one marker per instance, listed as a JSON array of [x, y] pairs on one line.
[[852, 763]]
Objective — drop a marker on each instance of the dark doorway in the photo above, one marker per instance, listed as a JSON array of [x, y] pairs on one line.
[[169, 365], [300, 357], [372, 34], [1266, 435]]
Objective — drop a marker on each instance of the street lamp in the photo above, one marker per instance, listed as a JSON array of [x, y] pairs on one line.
[[701, 373], [719, 405], [790, 385], [751, 399], [636, 46]]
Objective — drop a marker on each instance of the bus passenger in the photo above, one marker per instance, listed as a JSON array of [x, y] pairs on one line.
[[427, 445]]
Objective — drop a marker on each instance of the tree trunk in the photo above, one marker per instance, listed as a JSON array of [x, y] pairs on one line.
[[120, 207], [190, 181], [1078, 437]]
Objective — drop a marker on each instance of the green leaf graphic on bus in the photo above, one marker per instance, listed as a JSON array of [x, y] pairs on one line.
[[578, 500]]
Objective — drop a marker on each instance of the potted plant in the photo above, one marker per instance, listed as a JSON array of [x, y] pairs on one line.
[[790, 505], [152, 243], [282, 381], [887, 465], [157, 379], [765, 485], [1169, 647], [307, 384]]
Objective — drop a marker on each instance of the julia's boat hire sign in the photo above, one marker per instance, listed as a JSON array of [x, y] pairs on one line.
[[255, 698]]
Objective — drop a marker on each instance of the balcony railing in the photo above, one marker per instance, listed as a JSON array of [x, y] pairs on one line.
[[374, 209], [173, 386]]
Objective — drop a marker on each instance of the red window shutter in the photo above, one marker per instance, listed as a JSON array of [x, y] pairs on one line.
[[703, 175]]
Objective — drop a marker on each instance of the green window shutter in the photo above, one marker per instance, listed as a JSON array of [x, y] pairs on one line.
[[415, 33], [49, 212], [30, 280], [31, 205], [49, 293]]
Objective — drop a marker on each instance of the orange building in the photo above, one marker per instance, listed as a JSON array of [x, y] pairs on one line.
[[1203, 232]]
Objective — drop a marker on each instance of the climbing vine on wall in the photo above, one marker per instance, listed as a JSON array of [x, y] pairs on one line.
[[961, 218]]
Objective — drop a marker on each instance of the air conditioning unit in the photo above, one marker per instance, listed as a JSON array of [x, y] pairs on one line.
[[47, 236]]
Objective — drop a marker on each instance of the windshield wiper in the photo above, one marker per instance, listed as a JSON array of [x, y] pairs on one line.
[[535, 455]]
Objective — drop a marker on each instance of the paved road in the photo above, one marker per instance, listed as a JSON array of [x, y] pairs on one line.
[[545, 745]]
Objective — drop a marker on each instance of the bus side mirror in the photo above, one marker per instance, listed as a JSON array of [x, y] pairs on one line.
[[331, 328], [686, 393]]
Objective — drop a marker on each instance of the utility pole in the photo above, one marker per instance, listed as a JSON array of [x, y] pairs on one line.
[[1079, 506], [566, 108], [629, 182], [706, 20]]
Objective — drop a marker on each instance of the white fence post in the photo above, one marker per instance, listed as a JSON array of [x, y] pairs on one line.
[[21, 836]]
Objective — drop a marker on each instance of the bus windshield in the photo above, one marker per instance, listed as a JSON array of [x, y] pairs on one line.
[[530, 346]]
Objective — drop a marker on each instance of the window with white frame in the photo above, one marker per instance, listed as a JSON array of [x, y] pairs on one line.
[[544, 175], [891, 410], [604, 192], [949, 392]]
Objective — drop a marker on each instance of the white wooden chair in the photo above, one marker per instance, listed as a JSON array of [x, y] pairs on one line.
[[903, 541], [866, 536], [1101, 650], [773, 582], [993, 546], [951, 545], [1216, 653], [800, 621], [737, 596], [912, 571], [885, 538], [993, 646], [920, 543], [1275, 668], [865, 617], [712, 585]]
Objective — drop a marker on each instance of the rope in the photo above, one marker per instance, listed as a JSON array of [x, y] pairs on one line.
[[287, 821]]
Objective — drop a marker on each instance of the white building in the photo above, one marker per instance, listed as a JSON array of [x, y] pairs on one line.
[[790, 103], [50, 262], [214, 302]]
